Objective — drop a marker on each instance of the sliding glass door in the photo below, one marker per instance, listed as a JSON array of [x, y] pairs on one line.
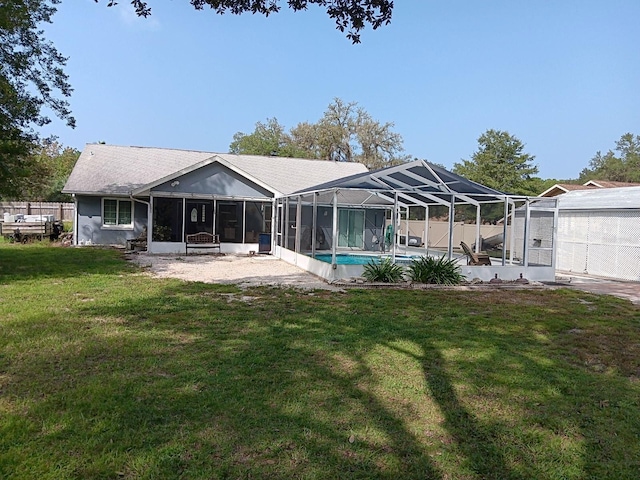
[[351, 228]]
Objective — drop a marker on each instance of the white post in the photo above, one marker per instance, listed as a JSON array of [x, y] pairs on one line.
[[504, 230], [554, 236], [426, 230], [285, 229], [525, 246], [395, 220], [512, 237], [406, 223], [314, 225], [452, 213], [478, 220], [334, 240], [298, 224]]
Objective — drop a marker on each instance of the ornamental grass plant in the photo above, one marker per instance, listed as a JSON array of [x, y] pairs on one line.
[[383, 271], [439, 271]]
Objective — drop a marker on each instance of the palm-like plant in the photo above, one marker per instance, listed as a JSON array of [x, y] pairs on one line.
[[383, 271], [440, 271]]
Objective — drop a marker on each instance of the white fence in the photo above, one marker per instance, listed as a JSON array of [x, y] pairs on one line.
[[439, 232], [600, 242]]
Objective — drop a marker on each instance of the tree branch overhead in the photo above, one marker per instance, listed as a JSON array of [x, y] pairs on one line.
[[350, 16]]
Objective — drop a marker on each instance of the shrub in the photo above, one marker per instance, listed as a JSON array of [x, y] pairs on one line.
[[440, 271], [383, 271]]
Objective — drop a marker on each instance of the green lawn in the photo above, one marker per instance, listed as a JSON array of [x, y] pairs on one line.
[[108, 373]]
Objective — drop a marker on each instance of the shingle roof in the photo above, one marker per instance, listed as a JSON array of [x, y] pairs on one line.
[[111, 169], [611, 184]]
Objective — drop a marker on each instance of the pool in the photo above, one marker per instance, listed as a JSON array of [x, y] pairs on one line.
[[358, 259]]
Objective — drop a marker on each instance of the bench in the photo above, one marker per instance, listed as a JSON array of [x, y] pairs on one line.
[[202, 240]]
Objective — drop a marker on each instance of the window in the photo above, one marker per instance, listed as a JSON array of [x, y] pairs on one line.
[[116, 212]]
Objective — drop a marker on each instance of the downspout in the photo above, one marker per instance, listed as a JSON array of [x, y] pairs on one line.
[[149, 219], [75, 219]]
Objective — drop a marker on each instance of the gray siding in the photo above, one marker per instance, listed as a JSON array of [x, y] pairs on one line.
[[90, 228], [214, 179]]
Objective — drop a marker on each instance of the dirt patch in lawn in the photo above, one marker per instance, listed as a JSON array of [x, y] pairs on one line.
[[243, 270]]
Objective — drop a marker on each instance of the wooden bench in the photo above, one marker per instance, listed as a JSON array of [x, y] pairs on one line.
[[202, 240]]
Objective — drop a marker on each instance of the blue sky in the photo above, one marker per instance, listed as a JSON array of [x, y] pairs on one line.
[[563, 76]]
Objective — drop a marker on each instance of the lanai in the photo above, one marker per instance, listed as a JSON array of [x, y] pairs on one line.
[[354, 214]]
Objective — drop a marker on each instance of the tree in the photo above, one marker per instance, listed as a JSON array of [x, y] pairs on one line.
[[345, 133], [49, 168], [500, 163], [31, 77], [625, 167], [349, 15], [268, 138]]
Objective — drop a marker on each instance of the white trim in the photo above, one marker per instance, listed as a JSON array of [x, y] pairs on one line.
[[117, 226], [550, 189]]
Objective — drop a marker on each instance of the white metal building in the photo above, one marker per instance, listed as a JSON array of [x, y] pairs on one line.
[[599, 233]]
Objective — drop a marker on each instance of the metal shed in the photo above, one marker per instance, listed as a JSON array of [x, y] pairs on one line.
[[599, 232]]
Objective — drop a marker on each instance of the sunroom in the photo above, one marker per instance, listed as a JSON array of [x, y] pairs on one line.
[[410, 210]]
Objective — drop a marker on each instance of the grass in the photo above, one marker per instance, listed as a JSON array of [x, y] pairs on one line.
[[108, 373]]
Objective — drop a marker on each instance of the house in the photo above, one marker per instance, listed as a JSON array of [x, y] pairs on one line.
[[308, 210], [121, 192]]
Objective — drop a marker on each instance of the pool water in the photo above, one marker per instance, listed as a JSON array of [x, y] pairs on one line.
[[355, 259]]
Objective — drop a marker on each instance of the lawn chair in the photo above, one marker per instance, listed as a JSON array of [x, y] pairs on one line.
[[475, 258]]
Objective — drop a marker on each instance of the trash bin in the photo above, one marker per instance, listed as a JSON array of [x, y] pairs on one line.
[[264, 243]]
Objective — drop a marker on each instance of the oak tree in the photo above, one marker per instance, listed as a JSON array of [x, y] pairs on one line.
[[345, 133], [31, 80], [349, 15]]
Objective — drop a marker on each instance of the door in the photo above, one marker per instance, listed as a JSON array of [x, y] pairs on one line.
[[351, 228], [199, 216]]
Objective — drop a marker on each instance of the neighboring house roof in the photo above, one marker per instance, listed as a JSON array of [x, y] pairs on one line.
[[610, 184], [601, 198], [560, 188], [120, 170]]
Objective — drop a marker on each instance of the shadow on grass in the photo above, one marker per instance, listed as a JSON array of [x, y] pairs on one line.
[[201, 382], [45, 260]]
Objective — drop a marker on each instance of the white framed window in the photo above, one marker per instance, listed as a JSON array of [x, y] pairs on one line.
[[117, 213]]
